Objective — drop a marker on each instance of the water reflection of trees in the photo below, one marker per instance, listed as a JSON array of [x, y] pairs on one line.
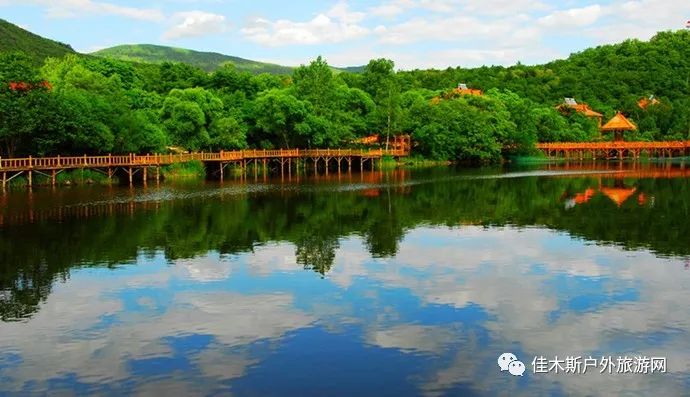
[[34, 255]]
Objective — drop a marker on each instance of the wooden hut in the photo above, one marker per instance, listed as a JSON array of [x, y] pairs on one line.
[[644, 103], [464, 90], [618, 125], [570, 104]]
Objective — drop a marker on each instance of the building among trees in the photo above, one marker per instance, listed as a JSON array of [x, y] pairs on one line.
[[570, 104]]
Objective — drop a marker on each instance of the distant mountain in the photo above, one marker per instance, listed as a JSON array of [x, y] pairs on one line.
[[208, 61], [14, 38], [353, 69]]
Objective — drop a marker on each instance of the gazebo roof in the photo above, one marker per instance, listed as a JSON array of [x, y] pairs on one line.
[[587, 111], [619, 123]]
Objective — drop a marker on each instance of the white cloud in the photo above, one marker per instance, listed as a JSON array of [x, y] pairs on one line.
[[573, 17], [74, 8], [341, 11], [458, 7], [195, 24], [339, 24], [391, 8], [411, 338], [210, 267]]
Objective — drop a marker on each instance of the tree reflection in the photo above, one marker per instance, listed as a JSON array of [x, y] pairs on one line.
[[34, 255], [316, 253]]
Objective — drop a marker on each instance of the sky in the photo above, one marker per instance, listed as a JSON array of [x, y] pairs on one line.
[[414, 33]]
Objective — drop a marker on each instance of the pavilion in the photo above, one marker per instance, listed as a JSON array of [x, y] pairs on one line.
[[618, 125]]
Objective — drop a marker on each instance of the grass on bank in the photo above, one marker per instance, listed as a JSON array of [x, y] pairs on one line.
[[189, 170]]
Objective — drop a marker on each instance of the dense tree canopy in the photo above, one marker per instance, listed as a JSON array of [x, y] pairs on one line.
[[77, 105]]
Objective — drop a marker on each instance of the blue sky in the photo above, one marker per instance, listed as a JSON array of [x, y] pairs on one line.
[[414, 33]]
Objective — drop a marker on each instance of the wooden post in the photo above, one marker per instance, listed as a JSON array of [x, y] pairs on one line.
[[130, 173], [158, 174], [4, 180], [31, 182], [52, 178], [145, 174], [221, 171]]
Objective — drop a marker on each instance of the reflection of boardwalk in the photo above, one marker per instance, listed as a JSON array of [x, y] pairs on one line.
[[60, 214], [614, 150], [114, 205], [133, 164], [617, 171]]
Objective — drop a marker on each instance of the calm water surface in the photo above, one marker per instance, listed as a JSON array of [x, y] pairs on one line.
[[384, 284]]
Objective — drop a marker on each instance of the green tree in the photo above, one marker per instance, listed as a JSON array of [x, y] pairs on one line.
[[188, 116], [279, 116], [380, 81]]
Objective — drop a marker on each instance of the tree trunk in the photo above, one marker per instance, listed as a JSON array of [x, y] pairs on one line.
[[388, 130]]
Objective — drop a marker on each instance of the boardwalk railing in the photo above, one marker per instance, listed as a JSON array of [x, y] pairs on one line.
[[614, 150], [613, 145], [50, 163]]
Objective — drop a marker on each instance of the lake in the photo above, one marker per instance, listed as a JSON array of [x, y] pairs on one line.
[[396, 283]]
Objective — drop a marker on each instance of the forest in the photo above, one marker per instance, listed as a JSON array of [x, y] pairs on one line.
[[76, 104]]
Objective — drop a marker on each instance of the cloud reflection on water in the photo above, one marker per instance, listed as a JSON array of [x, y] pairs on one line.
[[448, 303]]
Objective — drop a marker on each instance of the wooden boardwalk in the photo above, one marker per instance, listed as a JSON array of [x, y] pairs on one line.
[[216, 163], [614, 150]]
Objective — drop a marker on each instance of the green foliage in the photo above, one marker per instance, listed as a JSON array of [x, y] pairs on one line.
[[104, 105], [460, 130], [380, 81], [280, 119], [189, 170]]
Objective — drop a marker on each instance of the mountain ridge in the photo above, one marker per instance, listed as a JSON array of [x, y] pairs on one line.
[[207, 61]]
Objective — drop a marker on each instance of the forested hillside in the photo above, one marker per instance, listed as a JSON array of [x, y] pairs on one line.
[[14, 38], [99, 105], [609, 78], [207, 61]]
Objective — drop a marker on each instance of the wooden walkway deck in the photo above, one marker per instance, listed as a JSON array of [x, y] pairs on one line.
[[614, 150], [132, 164]]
